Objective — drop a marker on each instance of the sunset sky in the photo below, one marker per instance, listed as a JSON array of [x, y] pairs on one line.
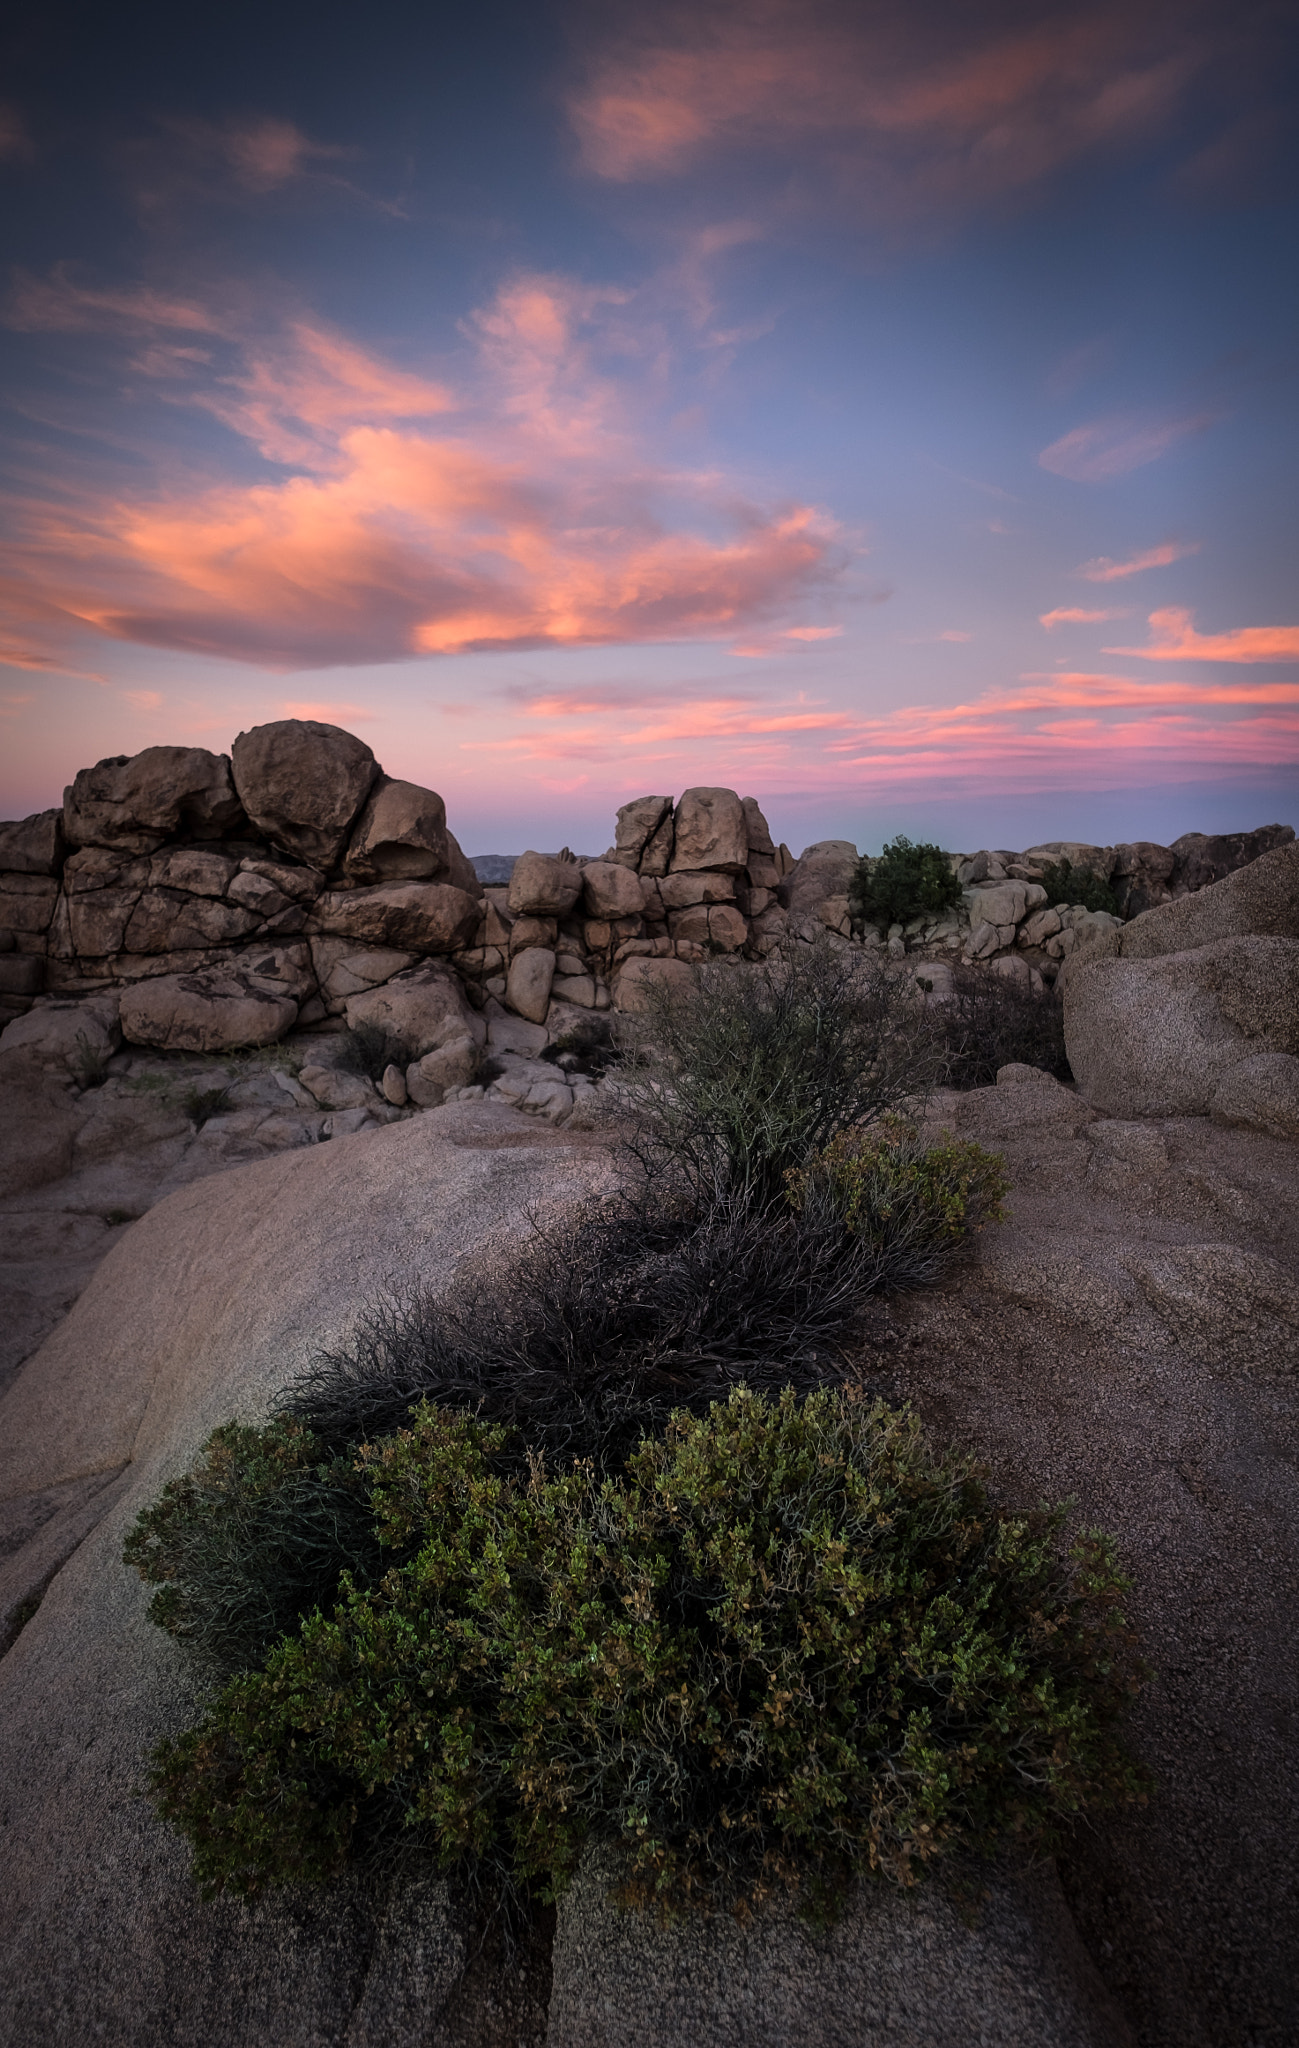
[[887, 410]]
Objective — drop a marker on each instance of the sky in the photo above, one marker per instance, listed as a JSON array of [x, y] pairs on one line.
[[890, 411]]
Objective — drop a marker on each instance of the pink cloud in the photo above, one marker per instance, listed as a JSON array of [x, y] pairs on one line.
[[1112, 447], [1174, 638], [534, 517], [1105, 570], [328, 714], [901, 117], [812, 633], [1074, 617]]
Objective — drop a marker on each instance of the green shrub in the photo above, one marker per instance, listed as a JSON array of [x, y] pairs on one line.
[[744, 1076], [989, 1022], [1064, 883], [199, 1104], [786, 1648], [252, 1539], [896, 1192], [88, 1065], [906, 882]]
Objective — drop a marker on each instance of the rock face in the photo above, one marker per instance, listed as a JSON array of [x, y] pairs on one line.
[[1158, 1036], [302, 785], [102, 1935], [400, 836], [1260, 1094], [895, 1972], [423, 1009], [135, 801], [248, 1001], [419, 917], [711, 831], [543, 887], [32, 846], [1262, 898]]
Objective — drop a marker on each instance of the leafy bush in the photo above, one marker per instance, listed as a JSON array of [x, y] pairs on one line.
[[747, 1074], [199, 1104], [906, 882], [369, 1050], [252, 1539], [912, 1202], [787, 1647], [989, 1022], [1064, 883]]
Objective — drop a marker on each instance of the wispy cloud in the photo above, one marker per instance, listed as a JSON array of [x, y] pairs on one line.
[[534, 515], [899, 112], [1104, 570], [1174, 638], [328, 713], [1109, 448], [1073, 616]]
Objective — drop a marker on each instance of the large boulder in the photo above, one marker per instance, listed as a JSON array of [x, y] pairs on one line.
[[1157, 1036], [610, 890], [1260, 1094], [896, 1972], [1262, 898], [417, 917], [640, 978], [422, 1009], [711, 831], [824, 869], [1202, 858], [637, 825], [135, 801], [27, 902], [250, 999], [531, 978], [32, 846], [543, 886], [203, 1311], [70, 1033], [400, 836], [302, 784], [757, 830]]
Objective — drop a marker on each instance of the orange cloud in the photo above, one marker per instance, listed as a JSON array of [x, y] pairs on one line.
[[534, 518], [902, 116], [1112, 447], [1174, 638], [1074, 617], [1104, 570]]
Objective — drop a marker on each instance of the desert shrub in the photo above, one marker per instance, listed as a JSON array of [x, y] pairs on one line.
[[744, 1076], [252, 1539], [1064, 883], [607, 1319], [587, 1049], [787, 1647], [88, 1065], [906, 882], [198, 1104], [368, 1049], [914, 1203], [989, 1022]]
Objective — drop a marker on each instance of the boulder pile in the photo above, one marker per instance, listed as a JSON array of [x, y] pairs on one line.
[[186, 901]]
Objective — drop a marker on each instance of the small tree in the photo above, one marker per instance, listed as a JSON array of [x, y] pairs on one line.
[[906, 882]]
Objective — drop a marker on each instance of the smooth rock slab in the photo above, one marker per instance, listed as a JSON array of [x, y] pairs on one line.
[[419, 917], [1261, 1094], [897, 1972], [212, 1010]]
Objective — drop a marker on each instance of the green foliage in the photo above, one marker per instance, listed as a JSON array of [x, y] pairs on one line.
[[252, 1539], [1064, 883], [744, 1076], [906, 882], [785, 1647], [199, 1104], [988, 1023], [894, 1190]]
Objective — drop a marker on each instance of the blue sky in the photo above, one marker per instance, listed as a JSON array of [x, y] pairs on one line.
[[890, 412]]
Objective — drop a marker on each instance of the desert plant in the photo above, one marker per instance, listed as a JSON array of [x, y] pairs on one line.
[[743, 1076], [905, 883], [786, 1648], [1064, 883], [989, 1021], [368, 1049], [914, 1203], [252, 1539], [88, 1065], [607, 1319], [199, 1104]]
